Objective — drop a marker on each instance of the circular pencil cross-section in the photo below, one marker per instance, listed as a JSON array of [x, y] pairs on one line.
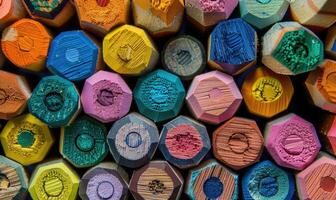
[[54, 180], [211, 180], [204, 14], [263, 13], [321, 174], [26, 139], [133, 140], [290, 49], [13, 180], [106, 96], [232, 46], [54, 13], [26, 43], [159, 95], [55, 101], [156, 181], [129, 50], [184, 142], [266, 93], [184, 56], [83, 142], [14, 94], [265, 180], [292, 141], [104, 181], [100, 16], [159, 18], [238, 143], [213, 97], [73, 55], [321, 85]]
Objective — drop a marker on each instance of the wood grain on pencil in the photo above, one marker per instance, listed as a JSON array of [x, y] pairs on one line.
[[238, 143], [129, 50], [55, 101], [156, 181], [318, 180], [159, 18], [213, 97], [266, 93], [54, 179], [14, 180], [211, 180], [133, 140], [184, 56], [232, 46], [100, 16], [26, 43], [74, 55], [263, 13]]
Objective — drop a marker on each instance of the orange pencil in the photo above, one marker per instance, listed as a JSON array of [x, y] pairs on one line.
[[14, 94], [317, 15], [159, 18], [26, 43], [100, 16]]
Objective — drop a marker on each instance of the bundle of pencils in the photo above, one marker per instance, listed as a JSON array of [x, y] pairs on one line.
[[168, 99]]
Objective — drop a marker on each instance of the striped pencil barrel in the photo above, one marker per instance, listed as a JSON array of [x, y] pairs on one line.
[[159, 18], [99, 17]]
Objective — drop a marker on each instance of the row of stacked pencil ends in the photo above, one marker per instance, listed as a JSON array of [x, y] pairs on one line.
[[168, 99]]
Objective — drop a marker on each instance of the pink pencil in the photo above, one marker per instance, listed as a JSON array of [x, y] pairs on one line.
[[292, 141], [213, 97], [318, 180], [106, 96]]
